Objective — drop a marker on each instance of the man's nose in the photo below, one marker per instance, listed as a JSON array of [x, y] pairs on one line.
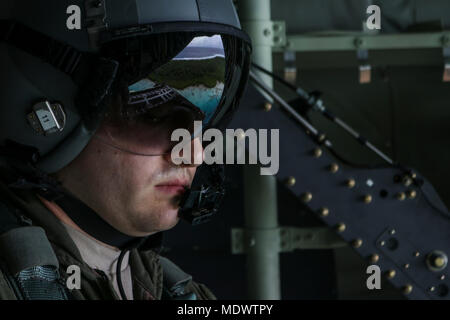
[[194, 158]]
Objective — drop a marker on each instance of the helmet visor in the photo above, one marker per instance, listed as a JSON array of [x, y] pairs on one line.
[[197, 74], [171, 81]]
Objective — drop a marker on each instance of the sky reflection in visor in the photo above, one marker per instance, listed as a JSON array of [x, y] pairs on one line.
[[197, 73]]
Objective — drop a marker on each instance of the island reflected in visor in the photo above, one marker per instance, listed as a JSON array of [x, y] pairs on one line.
[[197, 73]]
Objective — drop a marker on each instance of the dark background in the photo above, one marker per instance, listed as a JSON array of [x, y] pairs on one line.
[[404, 111]]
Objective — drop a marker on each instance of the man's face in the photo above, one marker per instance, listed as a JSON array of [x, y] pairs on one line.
[[138, 195]]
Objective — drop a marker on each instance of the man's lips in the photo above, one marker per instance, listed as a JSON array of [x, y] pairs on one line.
[[173, 187]]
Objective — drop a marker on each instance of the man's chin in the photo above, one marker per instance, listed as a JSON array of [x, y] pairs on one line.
[[171, 220], [168, 220], [166, 223], [161, 218]]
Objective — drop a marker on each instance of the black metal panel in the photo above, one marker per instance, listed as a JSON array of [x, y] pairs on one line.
[[421, 224], [204, 251]]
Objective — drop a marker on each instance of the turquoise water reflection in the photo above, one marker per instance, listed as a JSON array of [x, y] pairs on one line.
[[206, 99]]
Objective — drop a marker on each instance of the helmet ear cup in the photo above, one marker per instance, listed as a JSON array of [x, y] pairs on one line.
[[25, 81]]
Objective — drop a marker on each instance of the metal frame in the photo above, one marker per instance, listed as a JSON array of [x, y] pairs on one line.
[[263, 264], [288, 239], [343, 41]]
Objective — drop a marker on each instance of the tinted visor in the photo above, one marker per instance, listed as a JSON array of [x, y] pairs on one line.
[[197, 74], [172, 80]]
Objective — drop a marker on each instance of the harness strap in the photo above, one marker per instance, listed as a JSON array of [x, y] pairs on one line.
[[28, 261], [175, 281]]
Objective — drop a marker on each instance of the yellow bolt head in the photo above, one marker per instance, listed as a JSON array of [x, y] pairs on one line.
[[341, 227], [268, 106], [407, 289], [324, 212], [391, 274], [374, 258], [291, 181]]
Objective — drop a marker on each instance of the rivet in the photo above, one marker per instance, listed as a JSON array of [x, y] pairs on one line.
[[358, 42], [276, 27], [351, 183], [367, 198], [290, 181], [334, 168], [407, 181], [306, 197], [341, 227], [382, 243], [324, 212], [442, 277], [416, 254], [357, 243], [374, 258], [322, 137], [411, 194], [268, 106], [407, 289], [317, 152], [432, 289], [413, 175], [392, 232], [406, 266], [439, 262], [401, 196], [436, 260], [391, 274]]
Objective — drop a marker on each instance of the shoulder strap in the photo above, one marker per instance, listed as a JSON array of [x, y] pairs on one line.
[[29, 262], [175, 282]]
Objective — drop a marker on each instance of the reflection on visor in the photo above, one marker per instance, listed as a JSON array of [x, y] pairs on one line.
[[173, 80], [197, 73]]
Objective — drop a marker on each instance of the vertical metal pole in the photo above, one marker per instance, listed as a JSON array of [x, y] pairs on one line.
[[261, 223], [251, 11]]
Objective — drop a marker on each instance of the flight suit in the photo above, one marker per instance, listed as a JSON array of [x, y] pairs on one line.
[[153, 276]]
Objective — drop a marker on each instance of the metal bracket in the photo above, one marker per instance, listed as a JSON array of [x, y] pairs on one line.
[[345, 41], [365, 69], [285, 239], [267, 33], [290, 67], [446, 55]]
